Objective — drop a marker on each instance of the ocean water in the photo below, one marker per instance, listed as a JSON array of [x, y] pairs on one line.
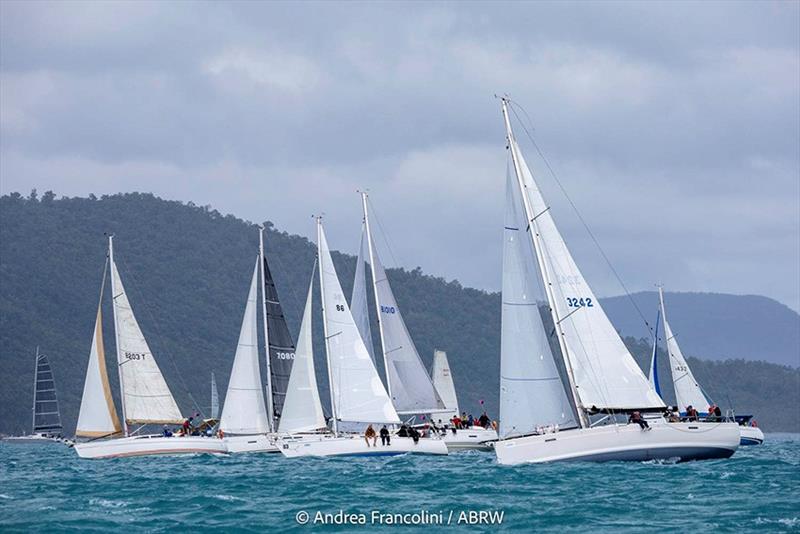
[[47, 488]]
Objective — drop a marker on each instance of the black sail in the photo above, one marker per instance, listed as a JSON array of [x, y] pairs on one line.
[[46, 417], [281, 345]]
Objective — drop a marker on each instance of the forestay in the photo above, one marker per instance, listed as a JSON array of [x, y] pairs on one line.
[[357, 391], [302, 411], [531, 391], [145, 395], [244, 411], [606, 375], [358, 301], [443, 382]]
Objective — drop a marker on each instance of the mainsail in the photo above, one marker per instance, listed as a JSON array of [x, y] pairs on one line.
[[409, 384], [687, 390], [146, 398], [214, 397], [443, 382], [280, 343], [531, 392], [358, 301], [653, 375], [98, 415], [357, 393], [302, 411], [244, 411], [46, 416], [605, 374]]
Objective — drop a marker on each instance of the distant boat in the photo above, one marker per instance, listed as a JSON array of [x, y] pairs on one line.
[[408, 383], [146, 398], [538, 423], [357, 395], [687, 390], [46, 425]]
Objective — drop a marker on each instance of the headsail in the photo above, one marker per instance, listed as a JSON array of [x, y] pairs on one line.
[[302, 411], [443, 382], [653, 375], [531, 392], [606, 375], [244, 411], [687, 390], [46, 416], [214, 397], [98, 415], [409, 384], [358, 301], [146, 398], [357, 392]]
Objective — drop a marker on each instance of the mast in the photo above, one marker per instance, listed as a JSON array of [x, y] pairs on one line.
[[270, 408], [35, 386], [584, 422], [334, 415], [116, 332], [375, 291]]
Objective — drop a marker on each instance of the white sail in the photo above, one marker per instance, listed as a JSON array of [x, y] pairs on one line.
[[443, 382], [244, 411], [98, 415], [357, 392], [302, 409], [687, 391], [146, 398], [358, 301], [531, 392], [653, 374], [409, 384], [214, 397], [605, 373]]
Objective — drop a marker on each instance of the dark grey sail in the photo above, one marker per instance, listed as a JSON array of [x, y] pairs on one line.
[[281, 345], [46, 417]]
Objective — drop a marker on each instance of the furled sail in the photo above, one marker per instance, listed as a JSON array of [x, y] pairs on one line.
[[653, 375], [358, 301], [531, 391], [443, 382], [46, 416], [302, 411], [279, 340], [145, 395], [214, 397], [357, 391], [606, 375], [98, 415], [244, 411]]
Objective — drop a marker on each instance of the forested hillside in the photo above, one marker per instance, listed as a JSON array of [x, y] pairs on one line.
[[187, 269]]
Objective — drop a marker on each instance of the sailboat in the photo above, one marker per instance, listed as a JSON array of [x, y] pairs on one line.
[[357, 395], [476, 437], [687, 390], [46, 426], [145, 396], [408, 383], [249, 420], [542, 419]]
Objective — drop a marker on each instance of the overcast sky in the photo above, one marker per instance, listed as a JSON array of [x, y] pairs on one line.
[[674, 127]]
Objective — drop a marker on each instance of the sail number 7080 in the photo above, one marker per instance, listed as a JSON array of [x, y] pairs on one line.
[[579, 303]]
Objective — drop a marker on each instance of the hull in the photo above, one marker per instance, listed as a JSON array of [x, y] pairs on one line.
[[35, 438], [750, 435], [469, 438], [252, 443], [664, 441], [150, 446], [329, 445]]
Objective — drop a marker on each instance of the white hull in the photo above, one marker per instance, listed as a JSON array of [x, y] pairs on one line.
[[35, 438], [150, 446], [252, 443], [682, 441], [329, 445], [469, 438], [750, 435]]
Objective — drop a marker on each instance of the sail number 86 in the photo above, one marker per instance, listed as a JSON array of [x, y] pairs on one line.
[[579, 303]]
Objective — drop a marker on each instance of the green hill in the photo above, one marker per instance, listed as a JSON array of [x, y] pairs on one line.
[[187, 269]]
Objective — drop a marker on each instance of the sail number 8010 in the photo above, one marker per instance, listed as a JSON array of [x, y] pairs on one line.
[[579, 303]]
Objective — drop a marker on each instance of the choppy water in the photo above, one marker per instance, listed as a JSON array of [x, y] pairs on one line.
[[47, 488]]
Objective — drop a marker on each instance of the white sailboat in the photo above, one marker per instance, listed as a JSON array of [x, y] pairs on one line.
[[476, 437], [146, 398], [409, 385], [358, 397], [538, 421], [687, 390]]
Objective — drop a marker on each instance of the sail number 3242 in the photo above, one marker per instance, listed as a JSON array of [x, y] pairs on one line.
[[579, 303]]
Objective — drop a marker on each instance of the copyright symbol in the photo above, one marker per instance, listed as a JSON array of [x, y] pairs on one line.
[[301, 517]]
